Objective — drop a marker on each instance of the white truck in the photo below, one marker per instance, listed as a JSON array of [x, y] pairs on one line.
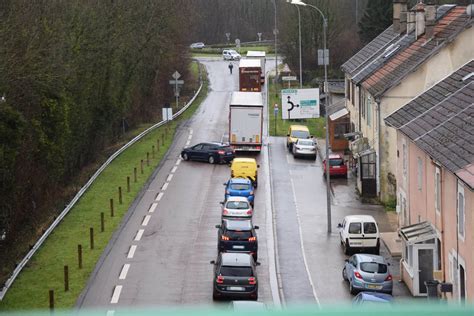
[[246, 121], [255, 54]]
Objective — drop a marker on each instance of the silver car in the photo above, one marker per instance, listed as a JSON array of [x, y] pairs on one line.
[[367, 273], [304, 148]]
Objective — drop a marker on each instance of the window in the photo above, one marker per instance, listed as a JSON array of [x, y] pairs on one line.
[[353, 93], [348, 89], [420, 173], [438, 250], [370, 228], [461, 206], [355, 228], [373, 267], [405, 159], [236, 271], [362, 103], [341, 128], [369, 110], [437, 190]]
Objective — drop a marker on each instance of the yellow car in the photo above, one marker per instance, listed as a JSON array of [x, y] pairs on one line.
[[296, 132], [245, 168]]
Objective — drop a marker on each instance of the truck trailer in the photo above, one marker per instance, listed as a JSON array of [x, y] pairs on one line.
[[257, 54], [246, 121], [250, 72]]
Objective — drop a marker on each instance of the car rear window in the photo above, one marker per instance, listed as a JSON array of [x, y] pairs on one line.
[[355, 228], [305, 142], [237, 205], [239, 186], [300, 134], [226, 148], [370, 228], [236, 271], [336, 162], [373, 267], [238, 235]]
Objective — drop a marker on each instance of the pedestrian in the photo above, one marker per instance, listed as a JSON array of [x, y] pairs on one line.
[[231, 67]]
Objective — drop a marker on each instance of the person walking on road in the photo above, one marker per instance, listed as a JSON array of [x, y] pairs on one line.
[[231, 67]]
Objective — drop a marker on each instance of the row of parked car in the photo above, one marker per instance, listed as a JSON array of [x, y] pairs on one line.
[[235, 273]]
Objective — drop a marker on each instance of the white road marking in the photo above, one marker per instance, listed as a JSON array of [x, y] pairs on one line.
[[110, 313], [165, 186], [190, 136], [146, 220], [123, 273], [302, 246], [174, 169], [131, 251], [116, 295], [159, 196], [139, 234], [178, 161], [152, 207], [169, 178], [187, 143], [191, 131]]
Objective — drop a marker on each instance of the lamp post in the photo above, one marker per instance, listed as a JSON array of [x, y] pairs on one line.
[[326, 91], [275, 32], [299, 37]]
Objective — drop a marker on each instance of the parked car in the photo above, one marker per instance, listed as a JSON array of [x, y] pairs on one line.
[[337, 167], [245, 168], [367, 273], [247, 306], [230, 54], [359, 232], [239, 187], [235, 276], [304, 148], [197, 45], [210, 152], [372, 298], [237, 235], [236, 206], [296, 132]]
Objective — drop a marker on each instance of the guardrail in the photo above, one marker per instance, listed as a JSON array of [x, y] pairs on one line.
[[79, 194]]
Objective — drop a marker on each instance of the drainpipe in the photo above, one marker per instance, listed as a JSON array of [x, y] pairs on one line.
[[379, 134]]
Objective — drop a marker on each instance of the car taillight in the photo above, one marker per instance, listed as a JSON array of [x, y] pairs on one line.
[[357, 275], [225, 237], [253, 239], [388, 278], [221, 152], [220, 279], [225, 212], [252, 281], [249, 212]]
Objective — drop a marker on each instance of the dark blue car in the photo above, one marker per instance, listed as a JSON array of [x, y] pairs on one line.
[[239, 187]]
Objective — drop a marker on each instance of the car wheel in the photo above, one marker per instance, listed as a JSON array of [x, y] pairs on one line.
[[377, 250], [215, 297], [255, 298], [211, 160], [352, 289], [255, 184], [185, 156], [347, 248], [344, 277]]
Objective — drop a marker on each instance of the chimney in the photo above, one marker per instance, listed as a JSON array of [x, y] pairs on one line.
[[411, 21], [403, 22], [420, 19], [399, 6], [430, 17]]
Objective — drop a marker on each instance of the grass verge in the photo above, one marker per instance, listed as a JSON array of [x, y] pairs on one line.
[[315, 125], [45, 271]]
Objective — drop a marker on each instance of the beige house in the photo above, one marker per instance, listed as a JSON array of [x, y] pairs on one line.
[[435, 182], [422, 46]]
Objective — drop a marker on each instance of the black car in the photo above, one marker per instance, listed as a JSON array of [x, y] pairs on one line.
[[235, 276], [237, 235], [210, 152]]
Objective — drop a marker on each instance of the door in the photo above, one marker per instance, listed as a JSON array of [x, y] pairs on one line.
[[462, 283], [195, 152], [425, 268], [368, 174]]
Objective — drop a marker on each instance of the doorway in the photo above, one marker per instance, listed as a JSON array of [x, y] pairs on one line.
[[462, 283], [425, 266]]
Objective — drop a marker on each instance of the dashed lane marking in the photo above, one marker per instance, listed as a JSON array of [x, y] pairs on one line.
[[116, 295], [146, 220], [169, 178], [152, 207], [131, 251], [178, 161], [123, 273], [174, 169], [165, 186], [139, 234], [187, 143], [110, 313], [159, 196]]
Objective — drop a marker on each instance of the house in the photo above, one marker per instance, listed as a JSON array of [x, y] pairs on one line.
[[435, 183], [422, 46]]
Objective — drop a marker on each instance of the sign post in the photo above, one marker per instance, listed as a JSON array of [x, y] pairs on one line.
[[177, 83], [289, 79], [275, 112]]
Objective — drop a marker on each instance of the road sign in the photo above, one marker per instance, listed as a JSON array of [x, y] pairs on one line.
[[176, 81], [299, 103], [323, 59], [176, 75], [237, 43], [289, 78], [167, 114], [228, 36], [259, 36]]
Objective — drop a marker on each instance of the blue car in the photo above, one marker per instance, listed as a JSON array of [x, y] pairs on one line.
[[239, 187], [370, 298]]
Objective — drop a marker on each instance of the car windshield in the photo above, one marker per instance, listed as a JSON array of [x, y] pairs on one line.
[[239, 186], [236, 271], [355, 228], [373, 267], [305, 142], [336, 162], [238, 235], [370, 228], [237, 205], [300, 134]]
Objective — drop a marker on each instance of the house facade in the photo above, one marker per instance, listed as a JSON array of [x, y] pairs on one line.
[[421, 47], [435, 182]]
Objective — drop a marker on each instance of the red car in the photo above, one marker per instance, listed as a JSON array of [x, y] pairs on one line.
[[337, 167]]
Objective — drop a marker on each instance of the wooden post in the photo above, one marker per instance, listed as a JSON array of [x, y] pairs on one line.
[[135, 174], [120, 194], [162, 139], [128, 184], [102, 222], [157, 145], [153, 152], [79, 255], [91, 235], [66, 278], [148, 159], [51, 300], [111, 207], [141, 166]]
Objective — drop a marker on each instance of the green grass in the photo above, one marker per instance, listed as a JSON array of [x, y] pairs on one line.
[[45, 269], [315, 125]]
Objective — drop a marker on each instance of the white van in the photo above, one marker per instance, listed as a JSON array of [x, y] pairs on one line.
[[230, 54], [359, 232]]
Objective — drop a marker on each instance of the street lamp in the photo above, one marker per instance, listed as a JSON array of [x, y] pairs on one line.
[[299, 35], [326, 91], [275, 32]]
